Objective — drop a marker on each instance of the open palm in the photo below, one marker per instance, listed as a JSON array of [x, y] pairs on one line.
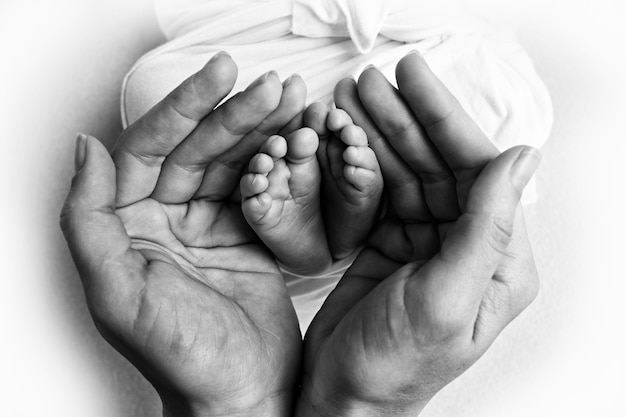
[[174, 277], [444, 271]]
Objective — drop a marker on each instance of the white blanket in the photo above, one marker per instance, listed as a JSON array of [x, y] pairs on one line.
[[327, 40]]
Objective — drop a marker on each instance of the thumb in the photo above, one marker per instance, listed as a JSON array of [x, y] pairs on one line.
[[474, 248], [96, 237]]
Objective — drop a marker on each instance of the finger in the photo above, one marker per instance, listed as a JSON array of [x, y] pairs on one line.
[[142, 148], [513, 287], [183, 170], [315, 117], [110, 270], [401, 129], [473, 249], [404, 243], [402, 184], [223, 173], [459, 140], [359, 280]]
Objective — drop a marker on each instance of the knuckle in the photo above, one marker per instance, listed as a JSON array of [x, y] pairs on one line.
[[447, 327], [441, 325], [500, 232]]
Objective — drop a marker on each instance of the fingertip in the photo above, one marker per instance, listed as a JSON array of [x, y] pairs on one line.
[[294, 80], [315, 117], [344, 89], [498, 188], [294, 93], [221, 70], [411, 59], [524, 166], [267, 90], [80, 151]]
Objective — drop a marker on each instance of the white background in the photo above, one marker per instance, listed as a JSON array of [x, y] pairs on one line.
[[61, 66]]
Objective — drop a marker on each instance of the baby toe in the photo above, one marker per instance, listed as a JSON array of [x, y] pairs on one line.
[[353, 135], [261, 163], [252, 184], [275, 146], [362, 179], [361, 157], [256, 208], [302, 145], [338, 119]]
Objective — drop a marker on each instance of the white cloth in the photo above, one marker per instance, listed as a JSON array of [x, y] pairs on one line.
[[327, 40]]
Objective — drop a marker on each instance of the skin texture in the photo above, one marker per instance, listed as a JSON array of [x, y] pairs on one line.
[[177, 281], [173, 276], [445, 270], [352, 183], [281, 201], [312, 201]]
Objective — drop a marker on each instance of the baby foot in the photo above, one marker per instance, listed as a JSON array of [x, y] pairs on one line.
[[352, 183], [281, 201]]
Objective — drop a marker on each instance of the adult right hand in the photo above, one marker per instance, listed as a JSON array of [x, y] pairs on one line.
[[446, 269], [173, 276]]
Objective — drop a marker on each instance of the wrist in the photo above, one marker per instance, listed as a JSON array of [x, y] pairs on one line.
[[341, 404], [276, 405]]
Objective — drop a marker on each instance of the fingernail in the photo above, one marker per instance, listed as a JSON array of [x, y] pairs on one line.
[[261, 80], [219, 55], [415, 52], [80, 151], [291, 78], [370, 66], [524, 167]]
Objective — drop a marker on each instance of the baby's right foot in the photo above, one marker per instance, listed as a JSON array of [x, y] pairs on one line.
[[281, 201], [352, 182]]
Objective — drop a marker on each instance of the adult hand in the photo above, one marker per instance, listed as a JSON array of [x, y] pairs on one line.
[[446, 269], [173, 276]]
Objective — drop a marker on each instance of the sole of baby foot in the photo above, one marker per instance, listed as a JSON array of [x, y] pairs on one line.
[[352, 185], [281, 202]]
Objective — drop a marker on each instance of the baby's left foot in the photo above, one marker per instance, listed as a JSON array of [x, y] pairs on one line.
[[352, 182]]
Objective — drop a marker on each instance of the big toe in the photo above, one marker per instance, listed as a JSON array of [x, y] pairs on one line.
[[302, 145]]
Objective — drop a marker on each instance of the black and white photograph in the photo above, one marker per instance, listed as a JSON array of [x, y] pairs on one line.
[[313, 208]]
